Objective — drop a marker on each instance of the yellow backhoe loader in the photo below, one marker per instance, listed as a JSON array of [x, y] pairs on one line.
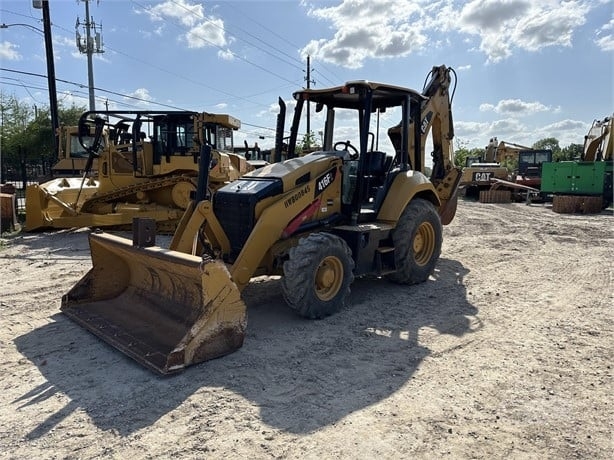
[[147, 166], [318, 221]]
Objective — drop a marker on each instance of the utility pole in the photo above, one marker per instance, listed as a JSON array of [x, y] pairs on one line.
[[89, 46], [309, 81], [53, 95]]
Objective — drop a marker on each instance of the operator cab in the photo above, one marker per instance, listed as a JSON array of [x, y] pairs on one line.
[[370, 161]]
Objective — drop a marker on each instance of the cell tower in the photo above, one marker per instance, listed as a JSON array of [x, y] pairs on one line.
[[90, 44]]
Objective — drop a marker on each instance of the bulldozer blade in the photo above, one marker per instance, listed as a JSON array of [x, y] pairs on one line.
[[163, 308]]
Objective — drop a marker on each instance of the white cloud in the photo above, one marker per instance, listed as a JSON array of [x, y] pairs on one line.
[[376, 29], [508, 126], [512, 130], [490, 15], [202, 31], [549, 27], [226, 55], [367, 29], [504, 25], [605, 37], [188, 14], [515, 106], [210, 33], [470, 129], [565, 131], [565, 125], [9, 51], [478, 133], [139, 96]]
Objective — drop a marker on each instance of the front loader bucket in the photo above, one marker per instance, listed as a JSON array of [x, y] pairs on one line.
[[166, 309]]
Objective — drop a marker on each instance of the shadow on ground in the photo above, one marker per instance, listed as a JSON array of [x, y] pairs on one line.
[[300, 375]]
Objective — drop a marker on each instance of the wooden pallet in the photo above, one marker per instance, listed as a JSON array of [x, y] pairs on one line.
[[572, 204], [8, 212], [495, 196]]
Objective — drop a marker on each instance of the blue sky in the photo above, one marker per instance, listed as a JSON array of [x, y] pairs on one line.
[[526, 69]]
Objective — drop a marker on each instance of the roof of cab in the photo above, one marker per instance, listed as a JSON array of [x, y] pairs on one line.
[[351, 95]]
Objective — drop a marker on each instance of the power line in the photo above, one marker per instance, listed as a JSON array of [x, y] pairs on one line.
[[107, 91], [81, 85], [264, 69], [199, 83], [24, 86], [232, 96], [327, 79], [65, 94], [224, 29]]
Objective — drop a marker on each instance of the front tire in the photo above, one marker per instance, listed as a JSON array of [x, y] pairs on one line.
[[317, 275], [417, 242]]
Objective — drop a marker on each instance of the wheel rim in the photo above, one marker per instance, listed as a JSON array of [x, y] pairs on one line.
[[329, 277], [424, 243]]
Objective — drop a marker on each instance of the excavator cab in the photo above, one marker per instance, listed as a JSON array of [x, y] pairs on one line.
[[351, 208]]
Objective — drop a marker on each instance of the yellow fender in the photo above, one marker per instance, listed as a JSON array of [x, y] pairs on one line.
[[406, 186]]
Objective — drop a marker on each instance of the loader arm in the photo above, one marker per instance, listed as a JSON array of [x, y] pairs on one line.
[[271, 226], [269, 229], [199, 216]]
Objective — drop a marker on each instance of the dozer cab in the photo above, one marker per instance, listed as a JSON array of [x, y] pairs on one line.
[[72, 156], [318, 221], [147, 166]]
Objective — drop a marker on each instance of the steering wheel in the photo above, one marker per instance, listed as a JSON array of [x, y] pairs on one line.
[[346, 146]]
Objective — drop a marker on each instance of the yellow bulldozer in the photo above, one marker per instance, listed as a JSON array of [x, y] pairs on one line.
[[318, 221], [147, 166]]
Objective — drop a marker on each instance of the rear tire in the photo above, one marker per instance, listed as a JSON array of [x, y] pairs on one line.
[[417, 242], [317, 275]]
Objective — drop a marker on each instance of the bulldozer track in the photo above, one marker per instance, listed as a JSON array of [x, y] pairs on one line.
[[132, 189]]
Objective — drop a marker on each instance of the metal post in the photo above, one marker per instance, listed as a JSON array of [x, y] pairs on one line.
[[308, 83], [53, 96], [90, 50], [89, 46]]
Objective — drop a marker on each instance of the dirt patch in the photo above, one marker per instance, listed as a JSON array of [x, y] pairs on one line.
[[505, 352]]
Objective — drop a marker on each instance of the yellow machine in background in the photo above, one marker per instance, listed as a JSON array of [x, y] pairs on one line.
[[72, 156], [478, 174], [147, 166], [584, 185], [599, 141], [505, 167], [319, 221]]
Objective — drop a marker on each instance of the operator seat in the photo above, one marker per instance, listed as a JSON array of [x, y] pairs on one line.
[[376, 164]]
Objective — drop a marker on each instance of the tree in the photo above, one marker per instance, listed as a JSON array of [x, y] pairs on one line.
[[307, 144], [572, 152], [26, 132], [462, 153], [549, 143]]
